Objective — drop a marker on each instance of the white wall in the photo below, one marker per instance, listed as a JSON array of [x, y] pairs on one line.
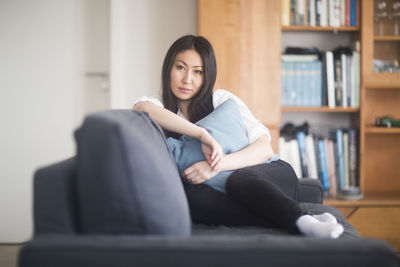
[[39, 106], [44, 57], [142, 32]]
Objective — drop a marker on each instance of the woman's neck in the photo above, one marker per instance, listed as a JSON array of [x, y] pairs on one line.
[[184, 108]]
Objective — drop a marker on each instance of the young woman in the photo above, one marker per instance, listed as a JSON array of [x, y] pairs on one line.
[[188, 77]]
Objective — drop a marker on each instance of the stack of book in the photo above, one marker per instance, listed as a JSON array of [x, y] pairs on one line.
[[333, 160], [329, 79], [324, 13]]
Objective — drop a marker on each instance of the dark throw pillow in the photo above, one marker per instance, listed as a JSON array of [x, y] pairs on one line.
[[128, 182]]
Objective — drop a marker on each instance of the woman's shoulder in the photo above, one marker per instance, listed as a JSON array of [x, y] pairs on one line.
[[221, 95], [155, 100]]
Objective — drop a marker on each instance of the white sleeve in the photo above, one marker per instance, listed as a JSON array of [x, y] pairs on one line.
[[153, 100], [254, 127]]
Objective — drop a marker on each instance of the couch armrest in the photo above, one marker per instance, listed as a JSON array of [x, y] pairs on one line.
[[310, 190]]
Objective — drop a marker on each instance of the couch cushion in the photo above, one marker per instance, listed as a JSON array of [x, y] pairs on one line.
[[226, 126], [128, 181]]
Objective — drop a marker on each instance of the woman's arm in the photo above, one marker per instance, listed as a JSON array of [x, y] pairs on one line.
[[172, 122], [257, 152]]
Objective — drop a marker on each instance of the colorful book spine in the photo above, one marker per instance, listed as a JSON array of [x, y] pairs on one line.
[[301, 140], [353, 156], [346, 159], [310, 151], [324, 167], [353, 11], [285, 12], [330, 79], [292, 12], [340, 158], [331, 168]]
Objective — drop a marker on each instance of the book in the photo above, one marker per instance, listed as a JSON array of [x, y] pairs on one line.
[[312, 13], [318, 9], [289, 152], [353, 157], [284, 84], [292, 12], [298, 58], [324, 86], [338, 78], [301, 140], [324, 13], [353, 11], [330, 80], [310, 151], [340, 158], [346, 159], [342, 12], [300, 12], [343, 61], [324, 168], [286, 12], [330, 158], [355, 101]]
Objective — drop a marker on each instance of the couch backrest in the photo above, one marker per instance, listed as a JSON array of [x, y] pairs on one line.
[[55, 201]]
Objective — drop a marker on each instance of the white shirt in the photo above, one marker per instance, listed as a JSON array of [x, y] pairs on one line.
[[253, 127]]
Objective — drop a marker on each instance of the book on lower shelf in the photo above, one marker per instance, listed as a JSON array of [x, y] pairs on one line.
[[332, 159]]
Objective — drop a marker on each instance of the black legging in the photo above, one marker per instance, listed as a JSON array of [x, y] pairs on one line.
[[253, 198]]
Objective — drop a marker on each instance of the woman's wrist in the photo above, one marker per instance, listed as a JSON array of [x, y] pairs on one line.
[[203, 135]]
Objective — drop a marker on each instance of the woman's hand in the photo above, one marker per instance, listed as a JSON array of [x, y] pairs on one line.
[[211, 149], [199, 173]]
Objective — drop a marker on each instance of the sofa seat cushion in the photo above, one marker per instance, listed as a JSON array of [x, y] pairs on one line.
[[128, 181]]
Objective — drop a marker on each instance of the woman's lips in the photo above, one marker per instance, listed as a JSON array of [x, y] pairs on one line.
[[185, 90]]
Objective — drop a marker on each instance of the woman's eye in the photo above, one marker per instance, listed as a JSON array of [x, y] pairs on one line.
[[179, 67], [198, 72]]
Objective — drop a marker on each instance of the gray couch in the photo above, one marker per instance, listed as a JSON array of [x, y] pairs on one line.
[[64, 235]]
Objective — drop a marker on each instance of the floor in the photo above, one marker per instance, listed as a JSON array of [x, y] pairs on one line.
[[8, 255]]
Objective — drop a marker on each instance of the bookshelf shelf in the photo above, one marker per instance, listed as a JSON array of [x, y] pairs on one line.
[[319, 28], [382, 130], [387, 38], [382, 80], [372, 200], [320, 109]]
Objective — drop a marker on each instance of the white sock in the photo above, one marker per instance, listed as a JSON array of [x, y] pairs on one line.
[[310, 226], [325, 217]]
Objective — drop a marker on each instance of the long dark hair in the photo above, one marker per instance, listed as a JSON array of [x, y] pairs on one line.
[[201, 104]]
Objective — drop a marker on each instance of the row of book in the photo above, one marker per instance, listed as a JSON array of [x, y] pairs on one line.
[[333, 13], [333, 160], [331, 78]]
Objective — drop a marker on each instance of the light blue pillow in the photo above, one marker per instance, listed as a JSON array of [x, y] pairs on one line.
[[226, 126]]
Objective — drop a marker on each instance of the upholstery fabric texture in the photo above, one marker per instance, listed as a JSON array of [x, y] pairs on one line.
[[128, 182]]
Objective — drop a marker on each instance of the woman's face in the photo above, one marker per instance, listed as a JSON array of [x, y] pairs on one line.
[[187, 75]]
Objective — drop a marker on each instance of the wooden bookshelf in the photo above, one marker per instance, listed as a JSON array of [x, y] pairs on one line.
[[382, 130], [247, 43], [319, 28], [387, 38], [320, 109]]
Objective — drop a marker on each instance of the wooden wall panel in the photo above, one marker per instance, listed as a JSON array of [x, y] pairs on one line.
[[246, 37], [219, 22], [381, 164]]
